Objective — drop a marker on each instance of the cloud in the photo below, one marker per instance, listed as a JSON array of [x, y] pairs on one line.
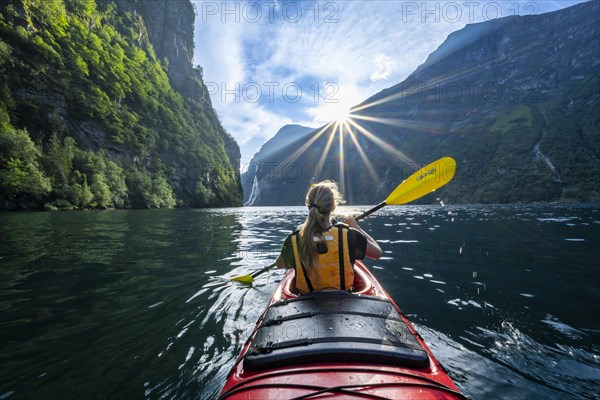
[[384, 67], [251, 125]]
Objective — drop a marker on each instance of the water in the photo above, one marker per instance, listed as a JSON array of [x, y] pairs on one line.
[[138, 304]]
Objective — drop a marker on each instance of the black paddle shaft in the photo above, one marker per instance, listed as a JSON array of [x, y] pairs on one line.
[[371, 211], [262, 271]]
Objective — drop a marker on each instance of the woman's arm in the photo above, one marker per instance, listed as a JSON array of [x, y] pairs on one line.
[[280, 262], [286, 253], [373, 250]]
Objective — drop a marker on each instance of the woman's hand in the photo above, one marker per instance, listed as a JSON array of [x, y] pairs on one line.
[[351, 222]]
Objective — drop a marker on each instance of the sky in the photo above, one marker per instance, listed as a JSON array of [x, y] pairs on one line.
[[269, 63]]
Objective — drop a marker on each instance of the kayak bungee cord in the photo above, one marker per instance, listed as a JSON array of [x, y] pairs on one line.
[[319, 390], [343, 389], [376, 385], [430, 382]]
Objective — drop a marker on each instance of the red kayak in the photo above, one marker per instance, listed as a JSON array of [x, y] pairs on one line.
[[335, 344]]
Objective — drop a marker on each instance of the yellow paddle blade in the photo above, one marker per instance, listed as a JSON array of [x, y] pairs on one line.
[[247, 279], [424, 181]]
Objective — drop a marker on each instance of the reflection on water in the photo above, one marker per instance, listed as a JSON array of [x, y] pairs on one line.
[[133, 304]]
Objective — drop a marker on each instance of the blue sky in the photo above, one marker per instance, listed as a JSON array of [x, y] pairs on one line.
[[276, 62]]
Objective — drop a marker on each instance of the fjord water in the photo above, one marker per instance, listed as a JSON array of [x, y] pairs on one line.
[[137, 304]]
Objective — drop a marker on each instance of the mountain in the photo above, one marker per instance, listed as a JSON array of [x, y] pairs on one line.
[[516, 101], [102, 107], [264, 162]]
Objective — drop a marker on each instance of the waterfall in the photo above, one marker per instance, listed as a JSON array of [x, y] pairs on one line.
[[254, 193], [539, 155]]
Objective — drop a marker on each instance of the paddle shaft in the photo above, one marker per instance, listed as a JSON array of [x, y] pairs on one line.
[[371, 211], [262, 271]]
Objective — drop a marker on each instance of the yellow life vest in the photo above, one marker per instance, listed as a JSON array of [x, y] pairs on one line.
[[334, 270]]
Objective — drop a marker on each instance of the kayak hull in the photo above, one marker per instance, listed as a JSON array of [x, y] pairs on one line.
[[337, 345]]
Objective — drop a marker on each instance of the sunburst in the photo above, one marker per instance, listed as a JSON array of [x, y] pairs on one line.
[[346, 126]]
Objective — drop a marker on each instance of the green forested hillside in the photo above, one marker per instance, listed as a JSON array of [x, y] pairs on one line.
[[88, 117]]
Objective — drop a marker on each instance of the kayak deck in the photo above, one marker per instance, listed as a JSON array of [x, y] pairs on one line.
[[334, 344], [333, 326]]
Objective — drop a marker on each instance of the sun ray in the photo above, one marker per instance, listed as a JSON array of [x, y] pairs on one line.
[[415, 87], [361, 153], [385, 121], [321, 162], [383, 145], [301, 150], [421, 125], [341, 158]]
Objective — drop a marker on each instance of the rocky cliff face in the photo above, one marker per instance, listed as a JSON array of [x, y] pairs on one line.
[[515, 101], [101, 82], [170, 26]]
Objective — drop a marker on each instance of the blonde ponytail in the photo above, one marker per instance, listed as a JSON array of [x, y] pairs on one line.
[[321, 200]]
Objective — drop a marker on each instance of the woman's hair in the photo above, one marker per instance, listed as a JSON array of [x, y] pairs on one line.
[[321, 200]]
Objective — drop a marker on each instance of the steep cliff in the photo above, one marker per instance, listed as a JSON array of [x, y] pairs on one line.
[[105, 96], [170, 27], [516, 101]]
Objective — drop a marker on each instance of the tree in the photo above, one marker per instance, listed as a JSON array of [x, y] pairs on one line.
[[20, 173]]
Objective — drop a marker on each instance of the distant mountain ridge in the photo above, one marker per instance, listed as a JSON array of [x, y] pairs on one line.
[[516, 101]]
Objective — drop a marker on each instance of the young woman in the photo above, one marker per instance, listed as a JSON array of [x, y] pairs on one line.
[[323, 251]]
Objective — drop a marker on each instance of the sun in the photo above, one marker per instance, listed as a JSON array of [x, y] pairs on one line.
[[332, 112], [339, 114], [336, 106]]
